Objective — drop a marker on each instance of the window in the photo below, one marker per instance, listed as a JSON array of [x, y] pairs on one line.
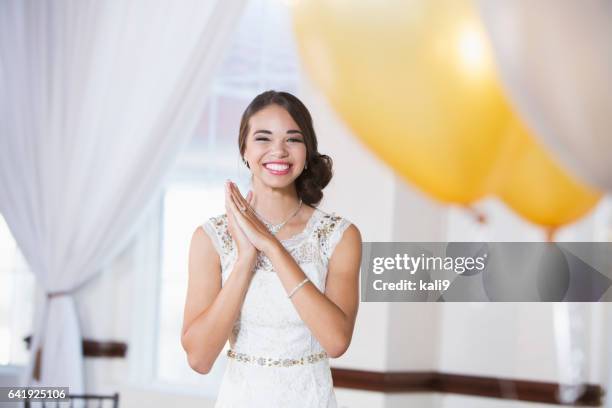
[[262, 57], [17, 286], [184, 207]]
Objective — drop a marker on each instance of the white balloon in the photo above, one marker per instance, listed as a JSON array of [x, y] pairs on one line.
[[555, 61]]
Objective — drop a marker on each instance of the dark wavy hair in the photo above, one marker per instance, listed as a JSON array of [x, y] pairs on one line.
[[316, 176]]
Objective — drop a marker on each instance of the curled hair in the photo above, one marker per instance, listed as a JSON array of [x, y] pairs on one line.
[[318, 171]]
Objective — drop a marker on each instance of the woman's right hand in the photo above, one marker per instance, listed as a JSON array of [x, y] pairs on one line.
[[246, 250]]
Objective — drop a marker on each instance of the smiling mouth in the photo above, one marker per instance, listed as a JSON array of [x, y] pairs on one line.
[[277, 168]]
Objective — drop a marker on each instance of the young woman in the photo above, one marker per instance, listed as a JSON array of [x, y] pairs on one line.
[[274, 274]]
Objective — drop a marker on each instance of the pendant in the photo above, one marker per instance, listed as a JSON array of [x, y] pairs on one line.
[[273, 228]]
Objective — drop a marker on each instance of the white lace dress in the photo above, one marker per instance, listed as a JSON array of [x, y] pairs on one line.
[[274, 360]]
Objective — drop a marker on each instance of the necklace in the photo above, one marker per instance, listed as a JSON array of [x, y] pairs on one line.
[[274, 228]]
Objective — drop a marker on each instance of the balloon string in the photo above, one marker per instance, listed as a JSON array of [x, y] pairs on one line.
[[478, 215], [550, 233]]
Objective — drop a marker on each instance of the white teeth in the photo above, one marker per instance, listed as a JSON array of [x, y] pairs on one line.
[[277, 167]]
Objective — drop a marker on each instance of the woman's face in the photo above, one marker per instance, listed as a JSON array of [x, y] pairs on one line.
[[275, 148]]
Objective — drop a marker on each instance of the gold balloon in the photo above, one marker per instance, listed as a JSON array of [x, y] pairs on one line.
[[531, 182], [415, 82]]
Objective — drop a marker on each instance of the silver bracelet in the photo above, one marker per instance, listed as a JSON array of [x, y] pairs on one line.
[[302, 283]]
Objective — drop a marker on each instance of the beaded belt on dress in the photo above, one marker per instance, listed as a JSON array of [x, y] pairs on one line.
[[276, 362]]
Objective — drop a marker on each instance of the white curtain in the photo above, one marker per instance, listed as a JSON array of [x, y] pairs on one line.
[[96, 100], [555, 61]]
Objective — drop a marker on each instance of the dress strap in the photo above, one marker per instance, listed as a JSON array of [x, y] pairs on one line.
[[216, 228], [330, 231]]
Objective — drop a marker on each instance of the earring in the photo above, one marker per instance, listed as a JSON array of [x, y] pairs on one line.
[[246, 163], [306, 166]]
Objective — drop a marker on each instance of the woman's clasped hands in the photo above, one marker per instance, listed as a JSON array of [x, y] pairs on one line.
[[249, 233]]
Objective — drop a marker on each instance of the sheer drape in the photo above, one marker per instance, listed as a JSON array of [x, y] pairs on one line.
[[96, 100]]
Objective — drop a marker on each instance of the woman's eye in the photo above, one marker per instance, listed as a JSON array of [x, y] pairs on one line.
[[295, 139], [261, 138]]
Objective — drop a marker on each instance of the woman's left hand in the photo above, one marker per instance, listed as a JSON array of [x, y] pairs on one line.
[[253, 228]]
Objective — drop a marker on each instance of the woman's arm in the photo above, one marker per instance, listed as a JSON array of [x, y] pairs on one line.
[[330, 316], [210, 309]]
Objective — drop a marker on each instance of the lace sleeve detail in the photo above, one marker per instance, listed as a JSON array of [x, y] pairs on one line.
[[216, 228], [330, 232]]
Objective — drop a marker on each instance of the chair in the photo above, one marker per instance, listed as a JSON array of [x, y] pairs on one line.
[[91, 401]]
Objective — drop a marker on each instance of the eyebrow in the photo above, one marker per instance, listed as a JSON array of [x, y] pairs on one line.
[[289, 132]]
